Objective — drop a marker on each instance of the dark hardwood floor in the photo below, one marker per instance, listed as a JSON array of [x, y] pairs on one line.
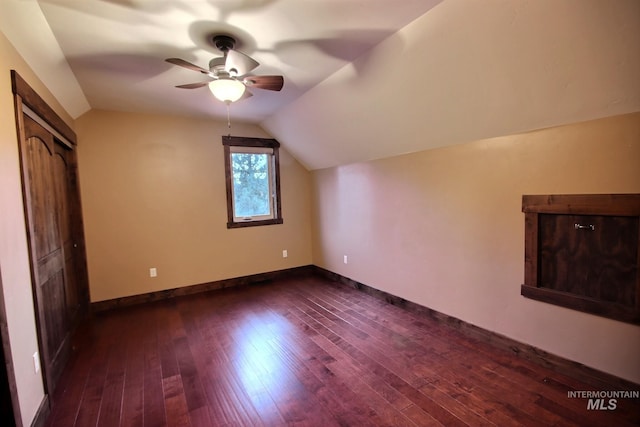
[[305, 352]]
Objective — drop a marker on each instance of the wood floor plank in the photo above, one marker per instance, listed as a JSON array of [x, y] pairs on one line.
[[305, 352], [133, 393], [268, 349], [111, 404], [175, 402], [487, 410], [89, 407], [69, 392], [468, 378], [350, 346], [229, 401], [154, 410]]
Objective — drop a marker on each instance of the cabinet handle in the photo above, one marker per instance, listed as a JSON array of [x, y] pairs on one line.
[[584, 227]]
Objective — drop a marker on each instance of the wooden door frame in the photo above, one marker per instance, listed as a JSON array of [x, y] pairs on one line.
[[31, 99], [28, 102]]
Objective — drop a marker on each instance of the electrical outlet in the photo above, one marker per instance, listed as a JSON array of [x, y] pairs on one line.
[[345, 259], [153, 272], [36, 362], [285, 253]]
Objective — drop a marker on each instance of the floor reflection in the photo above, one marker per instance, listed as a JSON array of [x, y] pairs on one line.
[[259, 358]]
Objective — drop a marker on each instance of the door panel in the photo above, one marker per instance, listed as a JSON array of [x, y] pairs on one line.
[[47, 212], [62, 184]]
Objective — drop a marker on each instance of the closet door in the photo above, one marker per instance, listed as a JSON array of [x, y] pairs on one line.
[[67, 221], [47, 203]]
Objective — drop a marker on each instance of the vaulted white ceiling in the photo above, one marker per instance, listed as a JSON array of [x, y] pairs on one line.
[[363, 78]]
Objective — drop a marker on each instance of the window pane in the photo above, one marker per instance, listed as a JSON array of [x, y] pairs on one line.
[[252, 181], [251, 189]]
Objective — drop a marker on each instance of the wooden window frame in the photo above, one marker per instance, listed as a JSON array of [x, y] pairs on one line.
[[239, 141], [598, 204]]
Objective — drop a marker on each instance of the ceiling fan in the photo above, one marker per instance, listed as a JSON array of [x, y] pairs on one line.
[[230, 73]]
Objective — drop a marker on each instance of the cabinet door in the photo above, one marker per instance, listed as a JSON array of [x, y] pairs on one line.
[[593, 256], [582, 251]]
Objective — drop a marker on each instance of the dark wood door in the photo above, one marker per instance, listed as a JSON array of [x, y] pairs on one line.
[[61, 172], [48, 206]]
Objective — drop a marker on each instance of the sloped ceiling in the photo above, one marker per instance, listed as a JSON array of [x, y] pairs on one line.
[[116, 49], [469, 70], [364, 79]]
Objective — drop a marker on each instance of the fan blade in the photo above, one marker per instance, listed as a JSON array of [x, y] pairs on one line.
[[193, 85], [185, 64], [245, 95], [238, 63], [264, 82]]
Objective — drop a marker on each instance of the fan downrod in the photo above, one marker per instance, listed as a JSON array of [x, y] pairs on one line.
[[224, 43]]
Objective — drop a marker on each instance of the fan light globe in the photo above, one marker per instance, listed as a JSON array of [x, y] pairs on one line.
[[227, 90]]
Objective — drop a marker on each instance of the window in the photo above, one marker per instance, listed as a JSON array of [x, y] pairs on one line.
[[252, 170]]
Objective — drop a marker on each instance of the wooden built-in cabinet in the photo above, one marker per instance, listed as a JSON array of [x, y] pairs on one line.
[[581, 252]]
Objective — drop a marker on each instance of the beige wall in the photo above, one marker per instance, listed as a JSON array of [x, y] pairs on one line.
[[444, 228], [153, 194], [14, 258]]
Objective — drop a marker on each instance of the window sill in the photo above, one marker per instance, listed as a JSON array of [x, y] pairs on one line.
[[245, 224]]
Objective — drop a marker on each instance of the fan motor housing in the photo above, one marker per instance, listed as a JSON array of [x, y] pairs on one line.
[[224, 42], [217, 64]]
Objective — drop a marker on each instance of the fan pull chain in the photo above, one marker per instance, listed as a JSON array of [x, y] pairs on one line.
[[228, 118]]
